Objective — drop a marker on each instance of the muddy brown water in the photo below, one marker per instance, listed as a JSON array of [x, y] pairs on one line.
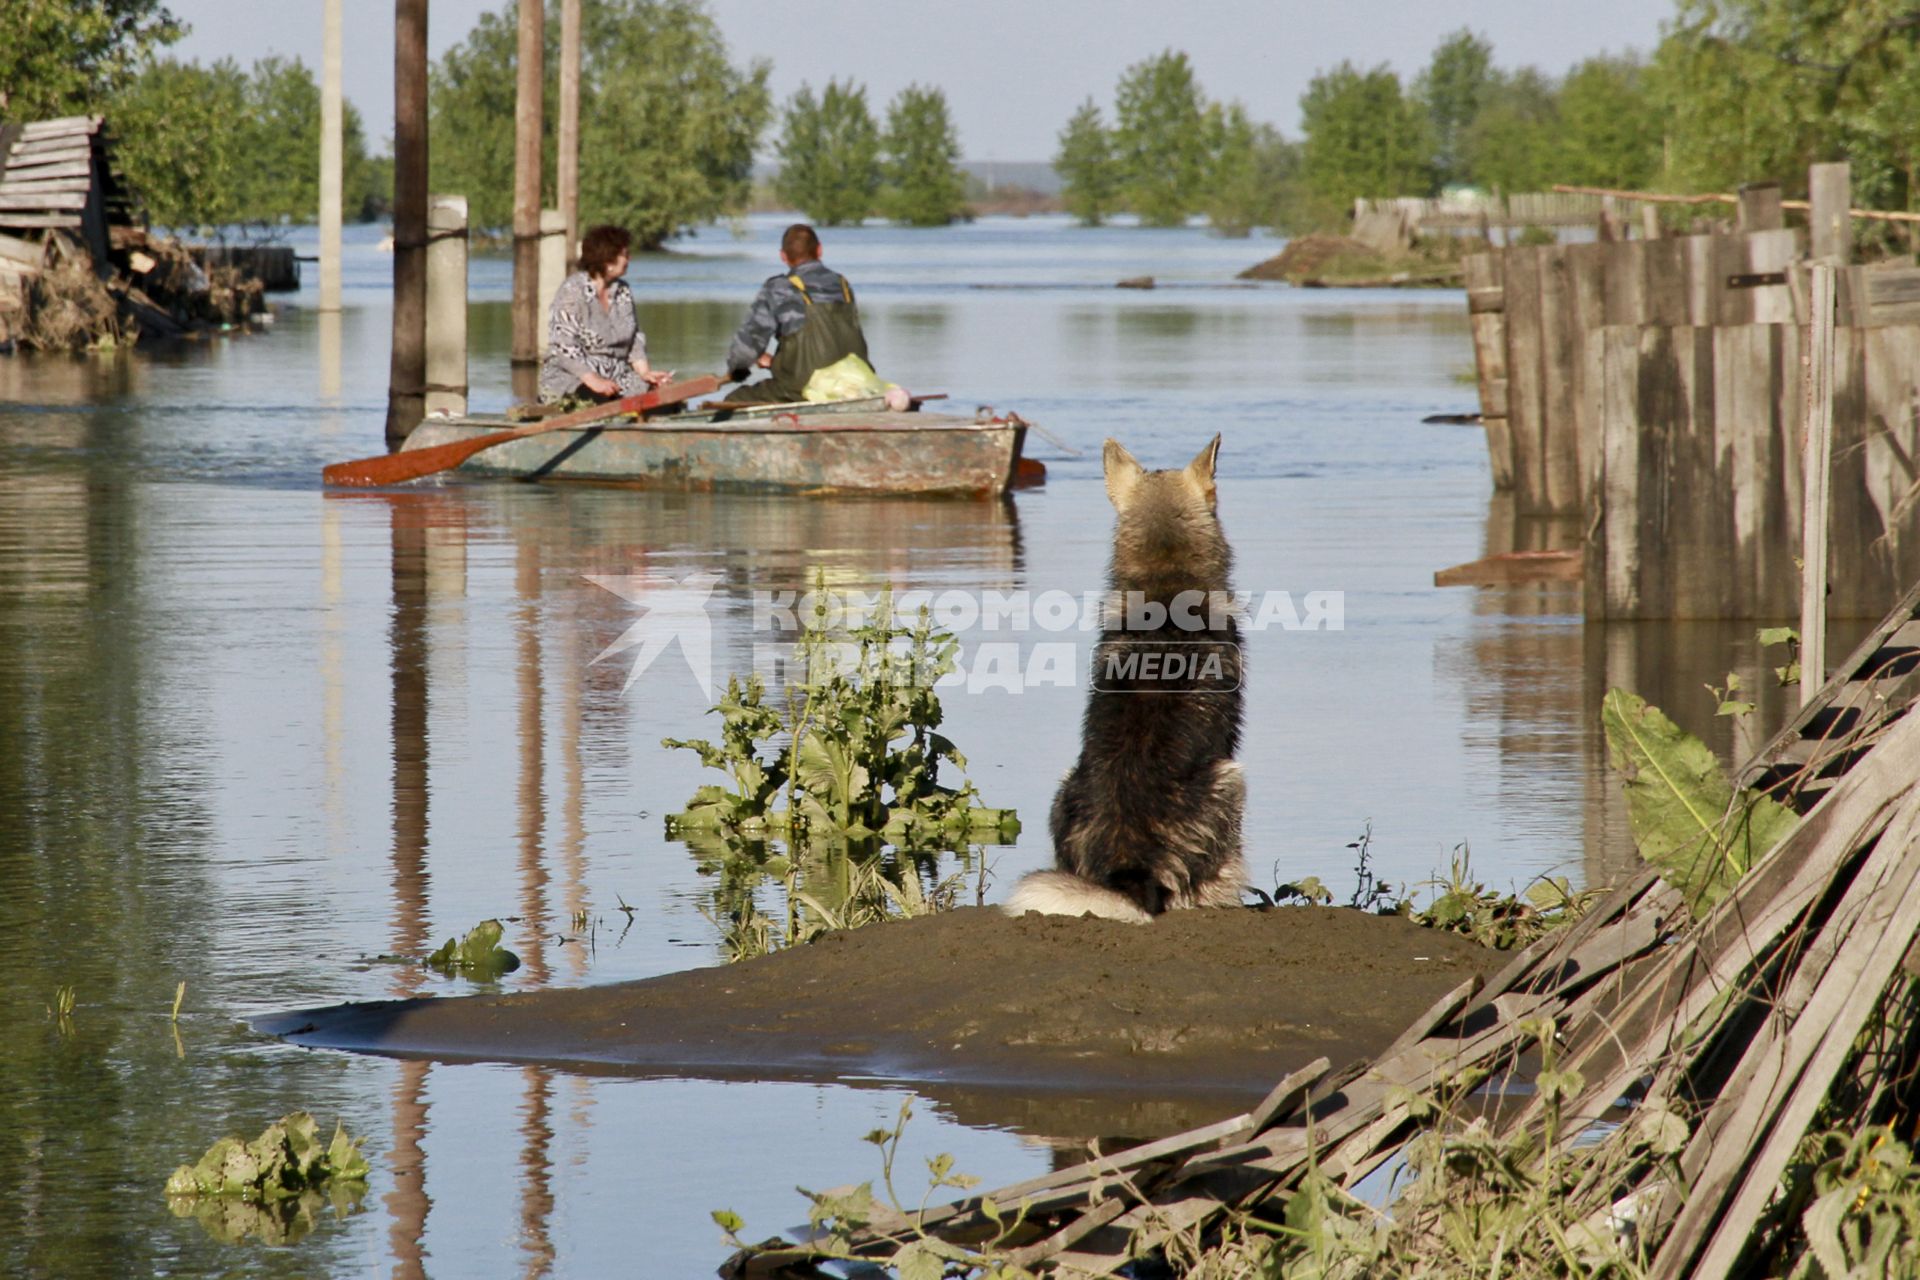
[[254, 736]]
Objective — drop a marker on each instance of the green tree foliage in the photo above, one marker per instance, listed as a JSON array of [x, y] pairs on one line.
[[1363, 137], [1452, 89], [667, 123], [924, 186], [1248, 168], [66, 57], [175, 130], [1514, 141], [1762, 88], [1160, 138], [830, 155], [470, 100], [213, 145], [1610, 132], [1089, 175]]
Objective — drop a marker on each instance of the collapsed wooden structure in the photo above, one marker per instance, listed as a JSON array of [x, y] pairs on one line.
[[77, 267], [1743, 1022], [55, 175], [1652, 390]]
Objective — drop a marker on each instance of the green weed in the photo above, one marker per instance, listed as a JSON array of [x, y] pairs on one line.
[[274, 1187]]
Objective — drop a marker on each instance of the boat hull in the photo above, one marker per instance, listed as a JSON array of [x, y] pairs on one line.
[[791, 453]]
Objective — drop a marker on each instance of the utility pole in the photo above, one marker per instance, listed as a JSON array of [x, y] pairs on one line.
[[407, 375], [526, 182], [330, 161], [568, 168]]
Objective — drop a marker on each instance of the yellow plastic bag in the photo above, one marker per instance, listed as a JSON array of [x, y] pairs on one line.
[[848, 378]]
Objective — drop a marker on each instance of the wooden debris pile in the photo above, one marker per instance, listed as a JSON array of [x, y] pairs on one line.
[[1785, 1008], [78, 267]]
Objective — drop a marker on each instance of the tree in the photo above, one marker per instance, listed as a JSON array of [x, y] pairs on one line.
[[1609, 132], [830, 155], [924, 186], [667, 123], [1452, 89], [1762, 88], [1248, 169], [470, 102], [213, 145], [1363, 137], [66, 57], [1159, 139], [175, 127], [1514, 143], [1085, 163]]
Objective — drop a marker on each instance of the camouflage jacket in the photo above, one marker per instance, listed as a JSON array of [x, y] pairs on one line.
[[778, 311]]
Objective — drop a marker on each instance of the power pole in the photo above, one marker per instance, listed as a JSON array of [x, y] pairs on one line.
[[568, 168], [330, 161], [407, 375], [526, 182]]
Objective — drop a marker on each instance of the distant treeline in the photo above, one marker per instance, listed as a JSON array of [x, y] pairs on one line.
[[1735, 90]]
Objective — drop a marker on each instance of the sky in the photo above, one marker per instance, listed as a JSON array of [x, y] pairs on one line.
[[1013, 70]]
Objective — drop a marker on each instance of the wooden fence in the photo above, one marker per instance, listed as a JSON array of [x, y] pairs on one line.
[[1653, 388]]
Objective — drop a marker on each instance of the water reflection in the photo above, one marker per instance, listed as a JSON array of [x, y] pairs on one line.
[[253, 737]]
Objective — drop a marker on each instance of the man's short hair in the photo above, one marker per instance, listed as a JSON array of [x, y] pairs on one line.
[[600, 246], [800, 243]]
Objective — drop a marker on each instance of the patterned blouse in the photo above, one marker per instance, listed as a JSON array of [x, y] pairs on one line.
[[584, 337]]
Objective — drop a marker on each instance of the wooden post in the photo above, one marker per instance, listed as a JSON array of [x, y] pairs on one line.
[[555, 251], [526, 181], [407, 373], [1759, 208], [1818, 458], [1830, 193], [567, 168], [446, 379], [1650, 221], [330, 160]]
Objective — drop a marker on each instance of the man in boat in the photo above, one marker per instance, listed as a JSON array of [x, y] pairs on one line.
[[810, 312]]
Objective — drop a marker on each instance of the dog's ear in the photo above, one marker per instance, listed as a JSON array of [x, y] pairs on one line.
[[1199, 472], [1123, 473]]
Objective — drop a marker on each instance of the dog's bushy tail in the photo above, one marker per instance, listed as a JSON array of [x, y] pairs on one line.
[[1061, 893]]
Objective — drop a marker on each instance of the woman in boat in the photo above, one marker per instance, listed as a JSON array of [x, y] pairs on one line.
[[594, 345]]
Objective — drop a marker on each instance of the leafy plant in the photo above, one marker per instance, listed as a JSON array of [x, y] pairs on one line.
[[1502, 921], [478, 955], [862, 756], [1865, 1216], [848, 775], [834, 1216], [273, 1187], [1687, 819]]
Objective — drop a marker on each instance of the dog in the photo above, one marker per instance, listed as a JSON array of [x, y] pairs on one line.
[[1149, 818]]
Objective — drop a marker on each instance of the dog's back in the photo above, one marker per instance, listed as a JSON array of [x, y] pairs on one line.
[[1151, 812]]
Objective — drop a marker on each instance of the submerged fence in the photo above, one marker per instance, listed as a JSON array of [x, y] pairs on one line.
[[1654, 388]]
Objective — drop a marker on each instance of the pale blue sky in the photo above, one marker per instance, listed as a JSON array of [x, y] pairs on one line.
[[1013, 70]]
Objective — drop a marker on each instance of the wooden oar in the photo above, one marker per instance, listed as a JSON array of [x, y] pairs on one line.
[[411, 464]]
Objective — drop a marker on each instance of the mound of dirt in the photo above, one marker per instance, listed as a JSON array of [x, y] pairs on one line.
[[1305, 256], [1074, 1027]]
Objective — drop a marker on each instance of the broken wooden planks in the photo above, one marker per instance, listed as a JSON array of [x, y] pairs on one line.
[[1742, 1021]]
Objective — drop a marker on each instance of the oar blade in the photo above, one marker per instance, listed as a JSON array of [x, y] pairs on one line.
[[411, 464]]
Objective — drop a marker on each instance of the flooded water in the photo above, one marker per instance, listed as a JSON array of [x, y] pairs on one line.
[[257, 736]]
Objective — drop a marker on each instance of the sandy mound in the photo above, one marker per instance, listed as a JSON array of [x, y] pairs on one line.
[[1306, 256], [1005, 1019]]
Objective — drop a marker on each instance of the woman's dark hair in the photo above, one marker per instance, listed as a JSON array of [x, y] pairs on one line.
[[600, 246]]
